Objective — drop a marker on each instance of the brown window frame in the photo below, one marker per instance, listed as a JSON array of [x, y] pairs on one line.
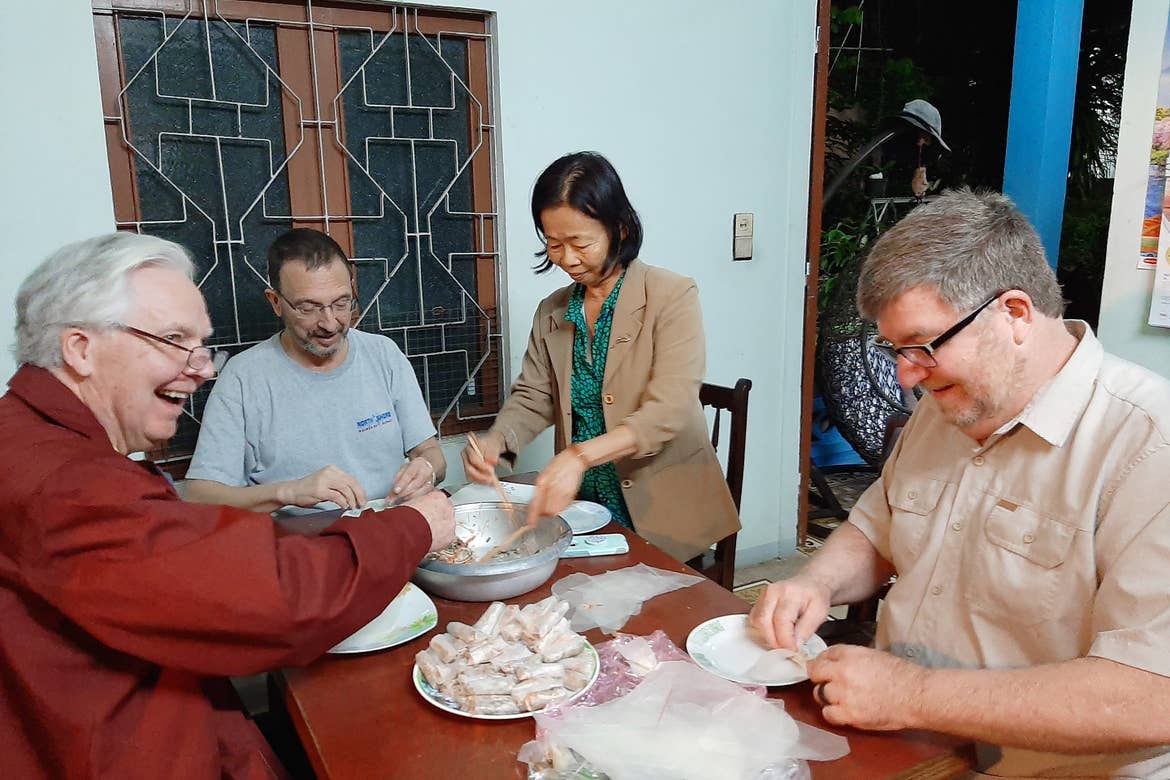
[[305, 173]]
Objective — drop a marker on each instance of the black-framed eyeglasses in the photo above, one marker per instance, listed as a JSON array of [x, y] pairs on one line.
[[922, 355], [197, 357], [340, 307]]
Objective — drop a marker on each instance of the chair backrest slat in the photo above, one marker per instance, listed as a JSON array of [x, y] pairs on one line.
[[734, 401]]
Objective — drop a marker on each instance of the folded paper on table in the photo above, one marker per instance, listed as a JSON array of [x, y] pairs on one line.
[[608, 600]]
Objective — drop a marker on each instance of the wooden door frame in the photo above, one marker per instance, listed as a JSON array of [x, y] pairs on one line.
[[812, 269]]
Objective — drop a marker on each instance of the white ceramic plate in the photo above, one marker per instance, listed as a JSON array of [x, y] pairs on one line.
[[442, 702], [582, 516], [722, 647], [585, 516], [409, 615]]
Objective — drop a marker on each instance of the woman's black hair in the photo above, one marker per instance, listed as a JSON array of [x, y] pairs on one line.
[[587, 182]]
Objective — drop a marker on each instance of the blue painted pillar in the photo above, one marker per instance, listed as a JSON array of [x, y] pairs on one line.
[[1044, 83]]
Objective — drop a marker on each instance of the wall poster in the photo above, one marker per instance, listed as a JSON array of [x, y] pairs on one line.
[[1155, 242]]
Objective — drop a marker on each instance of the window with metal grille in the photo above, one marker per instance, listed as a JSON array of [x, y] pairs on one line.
[[230, 121]]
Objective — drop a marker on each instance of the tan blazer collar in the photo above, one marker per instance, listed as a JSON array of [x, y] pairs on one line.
[[628, 316]]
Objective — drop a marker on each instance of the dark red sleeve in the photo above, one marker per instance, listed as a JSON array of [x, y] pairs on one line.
[[204, 588]]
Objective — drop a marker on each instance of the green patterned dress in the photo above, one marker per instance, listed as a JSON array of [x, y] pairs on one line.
[[600, 483]]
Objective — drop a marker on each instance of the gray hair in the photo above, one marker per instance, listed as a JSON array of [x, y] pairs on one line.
[[966, 246], [85, 283]]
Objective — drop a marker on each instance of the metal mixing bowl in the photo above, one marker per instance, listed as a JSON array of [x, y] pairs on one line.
[[482, 526]]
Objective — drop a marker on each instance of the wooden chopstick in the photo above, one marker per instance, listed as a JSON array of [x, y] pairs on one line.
[[510, 541], [495, 481], [474, 443]]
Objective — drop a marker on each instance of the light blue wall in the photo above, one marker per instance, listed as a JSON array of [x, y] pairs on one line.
[[52, 141], [704, 110], [1125, 294]]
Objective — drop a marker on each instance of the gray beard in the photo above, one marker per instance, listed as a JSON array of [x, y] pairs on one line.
[[315, 350]]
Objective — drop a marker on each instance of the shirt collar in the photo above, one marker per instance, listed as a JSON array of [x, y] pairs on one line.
[[1059, 403], [45, 394]]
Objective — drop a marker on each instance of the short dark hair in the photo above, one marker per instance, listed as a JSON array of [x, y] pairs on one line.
[[587, 182], [305, 245]]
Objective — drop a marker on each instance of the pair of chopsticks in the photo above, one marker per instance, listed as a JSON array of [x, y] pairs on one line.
[[474, 444], [508, 507]]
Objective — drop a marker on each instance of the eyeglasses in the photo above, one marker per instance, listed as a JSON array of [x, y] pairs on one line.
[[922, 355], [197, 357], [340, 307]]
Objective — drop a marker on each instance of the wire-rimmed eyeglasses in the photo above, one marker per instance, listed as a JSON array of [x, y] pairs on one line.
[[340, 307], [922, 355], [197, 357]]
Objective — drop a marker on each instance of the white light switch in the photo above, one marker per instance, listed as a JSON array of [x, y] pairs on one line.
[[741, 242]]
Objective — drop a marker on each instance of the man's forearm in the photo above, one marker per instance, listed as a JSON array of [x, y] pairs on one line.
[[1086, 705], [258, 498], [848, 565]]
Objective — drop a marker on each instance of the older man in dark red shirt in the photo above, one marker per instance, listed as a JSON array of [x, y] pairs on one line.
[[123, 608]]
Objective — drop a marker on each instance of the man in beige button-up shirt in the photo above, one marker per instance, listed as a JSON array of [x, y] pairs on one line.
[[1025, 512]]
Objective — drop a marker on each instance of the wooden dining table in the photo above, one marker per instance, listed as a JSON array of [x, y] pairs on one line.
[[359, 716]]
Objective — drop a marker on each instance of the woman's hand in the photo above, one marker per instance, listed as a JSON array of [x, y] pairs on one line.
[[482, 470], [557, 484]]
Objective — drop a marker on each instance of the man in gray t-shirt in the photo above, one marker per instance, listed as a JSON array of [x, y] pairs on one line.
[[318, 415]]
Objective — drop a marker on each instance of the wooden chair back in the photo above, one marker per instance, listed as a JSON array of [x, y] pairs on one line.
[[720, 565]]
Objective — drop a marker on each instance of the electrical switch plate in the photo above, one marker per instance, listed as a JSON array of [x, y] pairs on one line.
[[741, 242], [742, 230], [744, 223]]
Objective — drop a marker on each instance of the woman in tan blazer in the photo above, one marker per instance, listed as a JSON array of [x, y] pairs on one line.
[[614, 364]]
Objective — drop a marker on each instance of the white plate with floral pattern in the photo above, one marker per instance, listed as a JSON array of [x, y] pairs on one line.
[[410, 614]]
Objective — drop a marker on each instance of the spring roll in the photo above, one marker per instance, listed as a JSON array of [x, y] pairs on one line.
[[511, 631], [485, 651], [566, 646], [484, 684], [433, 669], [531, 671], [581, 662], [446, 647], [538, 700], [575, 680], [490, 621], [552, 618], [492, 704], [508, 658], [520, 690], [466, 634]]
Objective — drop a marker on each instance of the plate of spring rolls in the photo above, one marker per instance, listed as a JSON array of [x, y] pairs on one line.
[[410, 614], [511, 663]]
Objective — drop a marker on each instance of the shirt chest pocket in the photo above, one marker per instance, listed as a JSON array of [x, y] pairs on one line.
[[912, 513], [1020, 566]]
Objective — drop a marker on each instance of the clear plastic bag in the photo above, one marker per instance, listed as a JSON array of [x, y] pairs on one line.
[[607, 601], [655, 715]]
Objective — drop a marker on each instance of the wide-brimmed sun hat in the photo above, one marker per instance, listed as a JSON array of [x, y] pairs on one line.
[[925, 117]]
